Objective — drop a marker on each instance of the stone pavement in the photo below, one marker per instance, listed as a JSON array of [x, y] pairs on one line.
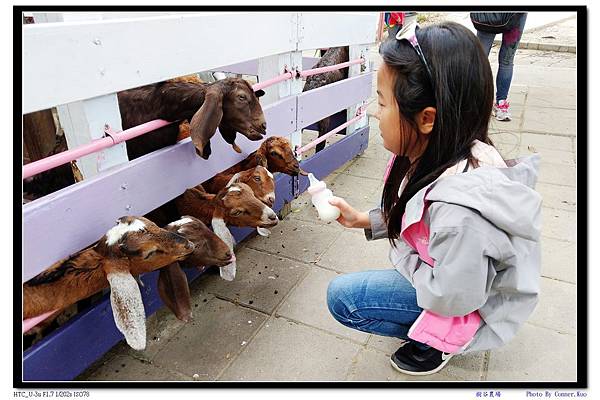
[[272, 322]]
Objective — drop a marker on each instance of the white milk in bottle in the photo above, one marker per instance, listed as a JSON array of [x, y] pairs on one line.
[[320, 199]]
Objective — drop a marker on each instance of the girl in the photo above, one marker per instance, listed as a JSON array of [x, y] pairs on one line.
[[464, 227]]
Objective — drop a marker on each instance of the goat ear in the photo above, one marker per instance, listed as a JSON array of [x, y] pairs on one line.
[[128, 308], [227, 272], [261, 155], [174, 291], [259, 93], [205, 121], [234, 179]]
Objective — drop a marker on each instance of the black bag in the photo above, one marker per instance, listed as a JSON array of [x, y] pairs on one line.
[[495, 22]]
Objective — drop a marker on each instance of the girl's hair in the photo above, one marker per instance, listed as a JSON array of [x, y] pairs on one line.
[[462, 92]]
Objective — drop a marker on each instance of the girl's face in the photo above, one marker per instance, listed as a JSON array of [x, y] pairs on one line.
[[399, 138]]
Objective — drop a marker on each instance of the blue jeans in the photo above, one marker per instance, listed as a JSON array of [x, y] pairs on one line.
[[382, 302], [506, 56]]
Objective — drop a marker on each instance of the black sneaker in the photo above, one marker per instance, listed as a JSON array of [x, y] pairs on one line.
[[410, 360]]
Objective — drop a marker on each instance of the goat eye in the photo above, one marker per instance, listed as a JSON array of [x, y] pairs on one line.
[[235, 213], [274, 154], [153, 252], [257, 178], [150, 254], [242, 97]]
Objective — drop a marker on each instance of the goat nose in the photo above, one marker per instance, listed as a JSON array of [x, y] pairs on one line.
[[228, 254], [273, 217], [264, 126]]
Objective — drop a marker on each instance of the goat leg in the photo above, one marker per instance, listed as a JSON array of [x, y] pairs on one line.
[[323, 127], [174, 291]]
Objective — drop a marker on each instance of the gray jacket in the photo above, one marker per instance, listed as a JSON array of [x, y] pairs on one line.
[[484, 236]]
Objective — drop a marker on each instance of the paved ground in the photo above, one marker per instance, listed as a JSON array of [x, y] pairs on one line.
[[272, 322]]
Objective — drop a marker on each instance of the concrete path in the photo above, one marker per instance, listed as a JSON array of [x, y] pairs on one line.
[[272, 322]]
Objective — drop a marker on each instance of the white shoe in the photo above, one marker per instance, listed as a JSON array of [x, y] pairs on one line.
[[501, 111]]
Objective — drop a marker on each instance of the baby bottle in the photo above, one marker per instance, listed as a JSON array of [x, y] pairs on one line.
[[320, 199]]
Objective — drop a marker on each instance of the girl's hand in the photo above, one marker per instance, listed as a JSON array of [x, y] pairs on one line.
[[349, 217]]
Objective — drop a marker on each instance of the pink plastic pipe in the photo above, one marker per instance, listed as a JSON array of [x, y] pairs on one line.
[[270, 82], [315, 142], [47, 163], [315, 71]]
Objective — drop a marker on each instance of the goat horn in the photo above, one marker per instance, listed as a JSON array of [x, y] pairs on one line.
[[128, 308]]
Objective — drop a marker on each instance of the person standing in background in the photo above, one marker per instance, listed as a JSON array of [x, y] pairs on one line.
[[393, 22], [506, 56]]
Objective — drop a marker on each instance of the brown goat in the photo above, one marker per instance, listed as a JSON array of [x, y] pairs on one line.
[[333, 55], [136, 245], [235, 204], [229, 104], [209, 250], [275, 154], [258, 178]]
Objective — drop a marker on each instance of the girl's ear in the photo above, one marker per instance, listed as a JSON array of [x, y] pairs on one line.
[[425, 120]]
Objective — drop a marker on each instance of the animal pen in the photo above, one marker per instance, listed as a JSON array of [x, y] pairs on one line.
[[78, 64]]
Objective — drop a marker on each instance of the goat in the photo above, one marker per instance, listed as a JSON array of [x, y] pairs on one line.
[[134, 246], [229, 104], [209, 250], [258, 178], [334, 55], [234, 205], [275, 154]]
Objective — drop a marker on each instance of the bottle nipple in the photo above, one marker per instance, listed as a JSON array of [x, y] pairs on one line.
[[315, 184]]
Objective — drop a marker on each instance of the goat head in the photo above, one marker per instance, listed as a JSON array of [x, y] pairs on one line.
[[232, 105]]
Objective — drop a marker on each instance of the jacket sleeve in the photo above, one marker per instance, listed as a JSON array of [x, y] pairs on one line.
[[378, 229], [460, 280]]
